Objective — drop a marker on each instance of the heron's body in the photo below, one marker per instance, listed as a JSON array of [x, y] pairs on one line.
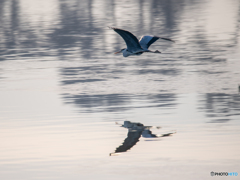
[[127, 53], [135, 47]]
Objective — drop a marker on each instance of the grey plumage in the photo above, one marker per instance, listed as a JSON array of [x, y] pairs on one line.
[[130, 40], [135, 47]]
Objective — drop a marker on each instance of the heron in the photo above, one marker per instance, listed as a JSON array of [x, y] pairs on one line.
[[135, 47]]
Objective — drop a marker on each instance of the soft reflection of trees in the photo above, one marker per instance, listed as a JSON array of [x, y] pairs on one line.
[[169, 12], [17, 36], [14, 33], [83, 24], [9, 24], [119, 102], [79, 30], [220, 107], [100, 102]]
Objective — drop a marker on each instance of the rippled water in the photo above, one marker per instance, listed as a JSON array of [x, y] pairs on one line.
[[62, 89]]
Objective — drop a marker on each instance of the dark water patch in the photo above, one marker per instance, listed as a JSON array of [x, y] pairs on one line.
[[163, 99], [211, 72], [120, 102], [67, 82], [86, 73], [159, 80], [100, 100], [168, 72], [219, 121], [83, 69], [217, 105]]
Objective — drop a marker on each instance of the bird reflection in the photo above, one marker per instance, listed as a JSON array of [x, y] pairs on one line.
[[135, 131]]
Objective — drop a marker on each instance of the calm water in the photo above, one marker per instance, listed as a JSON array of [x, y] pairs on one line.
[[62, 89]]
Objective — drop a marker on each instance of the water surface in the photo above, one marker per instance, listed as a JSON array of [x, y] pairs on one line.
[[62, 89]]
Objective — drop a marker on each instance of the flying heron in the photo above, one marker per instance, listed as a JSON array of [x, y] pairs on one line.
[[135, 47]]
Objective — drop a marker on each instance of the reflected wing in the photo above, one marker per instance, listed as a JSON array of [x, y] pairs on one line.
[[148, 134], [130, 141], [167, 134], [130, 40], [146, 41]]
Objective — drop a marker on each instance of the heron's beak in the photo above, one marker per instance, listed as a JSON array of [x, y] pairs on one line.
[[117, 52]]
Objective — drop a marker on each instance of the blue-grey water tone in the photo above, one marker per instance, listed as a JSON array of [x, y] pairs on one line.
[[64, 94]]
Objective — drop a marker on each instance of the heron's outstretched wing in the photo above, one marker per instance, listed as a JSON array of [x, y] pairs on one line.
[[130, 40], [146, 41]]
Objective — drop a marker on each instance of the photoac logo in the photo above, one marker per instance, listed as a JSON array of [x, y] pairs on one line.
[[223, 173]]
